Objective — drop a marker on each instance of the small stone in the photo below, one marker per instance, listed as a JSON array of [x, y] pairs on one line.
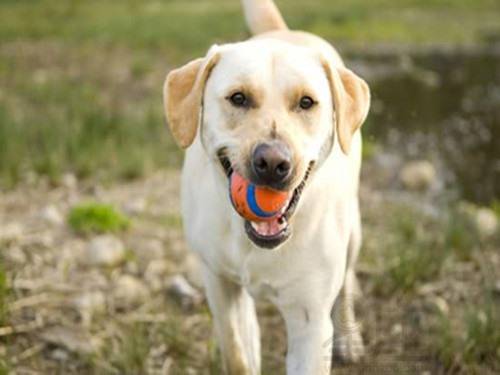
[[167, 365], [180, 288], [72, 339], [149, 249], [51, 215], [440, 305], [105, 250], [417, 175], [129, 291], [59, 355], [154, 274], [496, 288], [397, 329], [16, 255], [88, 304], [10, 232], [135, 206], [69, 181], [486, 222]]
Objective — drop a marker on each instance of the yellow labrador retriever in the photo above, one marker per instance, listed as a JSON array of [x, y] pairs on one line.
[[283, 111]]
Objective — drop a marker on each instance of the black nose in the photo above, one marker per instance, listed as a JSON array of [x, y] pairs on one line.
[[271, 164]]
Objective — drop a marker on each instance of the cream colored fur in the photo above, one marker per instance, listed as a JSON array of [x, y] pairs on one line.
[[313, 271]]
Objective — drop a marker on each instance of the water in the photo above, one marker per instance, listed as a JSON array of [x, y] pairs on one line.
[[443, 106]]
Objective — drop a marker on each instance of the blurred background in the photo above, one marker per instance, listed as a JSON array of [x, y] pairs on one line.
[[94, 272]]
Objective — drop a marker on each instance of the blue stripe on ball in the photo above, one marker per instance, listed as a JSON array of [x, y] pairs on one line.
[[252, 203]]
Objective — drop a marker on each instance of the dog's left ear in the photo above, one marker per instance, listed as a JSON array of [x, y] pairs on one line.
[[183, 96], [351, 99]]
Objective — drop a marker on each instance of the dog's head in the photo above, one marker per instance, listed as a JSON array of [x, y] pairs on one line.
[[268, 110]]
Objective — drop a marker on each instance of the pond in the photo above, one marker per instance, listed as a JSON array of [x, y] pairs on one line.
[[442, 105]]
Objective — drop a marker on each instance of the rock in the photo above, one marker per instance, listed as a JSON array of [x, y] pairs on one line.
[[59, 355], [72, 339], [16, 255], [154, 275], [105, 250], [135, 206], [397, 329], [417, 175], [167, 365], [51, 215], [496, 287], [11, 231], [129, 291], [148, 249], [486, 222], [69, 181], [484, 219], [180, 288], [88, 304], [440, 305]]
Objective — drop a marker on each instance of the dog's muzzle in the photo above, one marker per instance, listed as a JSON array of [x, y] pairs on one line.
[[270, 234]]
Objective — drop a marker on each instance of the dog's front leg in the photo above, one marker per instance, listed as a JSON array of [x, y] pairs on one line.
[[310, 334], [235, 322]]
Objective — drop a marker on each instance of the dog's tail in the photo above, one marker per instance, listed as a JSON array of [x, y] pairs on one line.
[[262, 16]]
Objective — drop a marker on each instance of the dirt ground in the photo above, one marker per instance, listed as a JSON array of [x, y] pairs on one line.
[[65, 313]]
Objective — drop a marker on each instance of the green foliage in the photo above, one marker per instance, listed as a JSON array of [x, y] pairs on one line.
[[369, 148], [81, 80], [412, 251], [461, 234], [4, 290], [474, 339], [133, 349], [97, 218], [495, 206], [4, 367], [416, 246]]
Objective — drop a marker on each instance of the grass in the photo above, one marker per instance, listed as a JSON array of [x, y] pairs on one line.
[[97, 218], [412, 254], [4, 290], [130, 349], [81, 80], [133, 350], [416, 246], [473, 339]]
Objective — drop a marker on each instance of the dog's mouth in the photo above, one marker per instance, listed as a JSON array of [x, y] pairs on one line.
[[272, 233]]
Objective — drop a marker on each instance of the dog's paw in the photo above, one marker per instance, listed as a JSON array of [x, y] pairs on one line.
[[348, 347]]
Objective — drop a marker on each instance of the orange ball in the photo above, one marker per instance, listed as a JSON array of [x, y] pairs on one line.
[[256, 203]]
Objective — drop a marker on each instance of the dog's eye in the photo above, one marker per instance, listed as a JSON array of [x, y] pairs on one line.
[[306, 102], [239, 99]]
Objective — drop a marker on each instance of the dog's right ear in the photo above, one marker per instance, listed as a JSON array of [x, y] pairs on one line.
[[183, 95]]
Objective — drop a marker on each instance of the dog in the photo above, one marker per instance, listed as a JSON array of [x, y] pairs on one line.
[[283, 111]]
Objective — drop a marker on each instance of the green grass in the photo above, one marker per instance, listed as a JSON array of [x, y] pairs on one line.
[[97, 218], [412, 253], [4, 290], [133, 350], [472, 340], [4, 368], [80, 81], [416, 246]]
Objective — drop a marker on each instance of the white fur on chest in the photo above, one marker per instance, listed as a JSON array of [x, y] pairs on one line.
[[312, 259]]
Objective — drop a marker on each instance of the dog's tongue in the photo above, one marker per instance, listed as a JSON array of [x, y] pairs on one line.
[[268, 228]]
